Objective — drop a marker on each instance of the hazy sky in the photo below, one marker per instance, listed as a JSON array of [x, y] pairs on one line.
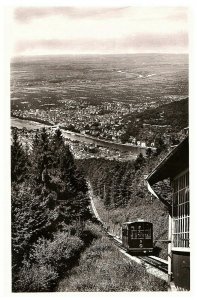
[[62, 30]]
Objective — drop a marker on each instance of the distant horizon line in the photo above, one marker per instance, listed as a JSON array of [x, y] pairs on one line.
[[92, 54]]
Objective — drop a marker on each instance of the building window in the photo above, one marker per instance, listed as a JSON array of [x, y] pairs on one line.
[[180, 211]]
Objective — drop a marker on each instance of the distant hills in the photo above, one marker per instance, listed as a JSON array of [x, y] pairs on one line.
[[168, 118], [174, 114]]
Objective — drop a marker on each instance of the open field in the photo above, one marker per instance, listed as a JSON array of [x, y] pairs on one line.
[[130, 78]]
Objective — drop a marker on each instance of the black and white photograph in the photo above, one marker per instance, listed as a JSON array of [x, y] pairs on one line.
[[99, 147]]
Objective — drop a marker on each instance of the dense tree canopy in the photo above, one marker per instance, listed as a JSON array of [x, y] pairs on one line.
[[120, 184], [49, 195]]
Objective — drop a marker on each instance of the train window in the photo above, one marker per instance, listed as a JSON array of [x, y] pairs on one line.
[[140, 232], [147, 233], [147, 230], [180, 211], [133, 232]]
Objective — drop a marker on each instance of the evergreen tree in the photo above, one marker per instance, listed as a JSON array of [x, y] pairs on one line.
[[160, 145], [139, 162], [56, 145], [41, 156], [34, 214], [19, 160], [149, 153], [124, 191]]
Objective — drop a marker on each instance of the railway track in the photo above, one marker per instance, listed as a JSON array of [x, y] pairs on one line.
[[155, 262], [154, 265]]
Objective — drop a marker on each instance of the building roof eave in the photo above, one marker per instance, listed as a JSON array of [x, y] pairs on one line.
[[174, 163]]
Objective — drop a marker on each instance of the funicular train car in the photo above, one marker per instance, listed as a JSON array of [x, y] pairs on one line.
[[137, 237]]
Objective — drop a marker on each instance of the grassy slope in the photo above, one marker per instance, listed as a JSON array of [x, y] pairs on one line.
[[102, 268]]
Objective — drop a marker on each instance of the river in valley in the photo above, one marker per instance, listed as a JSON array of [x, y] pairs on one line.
[[30, 125]]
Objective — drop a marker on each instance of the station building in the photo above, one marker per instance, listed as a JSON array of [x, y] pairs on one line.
[[176, 167]]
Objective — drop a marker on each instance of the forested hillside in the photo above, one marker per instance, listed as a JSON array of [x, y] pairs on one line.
[[161, 121], [49, 211], [122, 192], [55, 245]]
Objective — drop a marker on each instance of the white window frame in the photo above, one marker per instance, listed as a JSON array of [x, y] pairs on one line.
[[183, 221]]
